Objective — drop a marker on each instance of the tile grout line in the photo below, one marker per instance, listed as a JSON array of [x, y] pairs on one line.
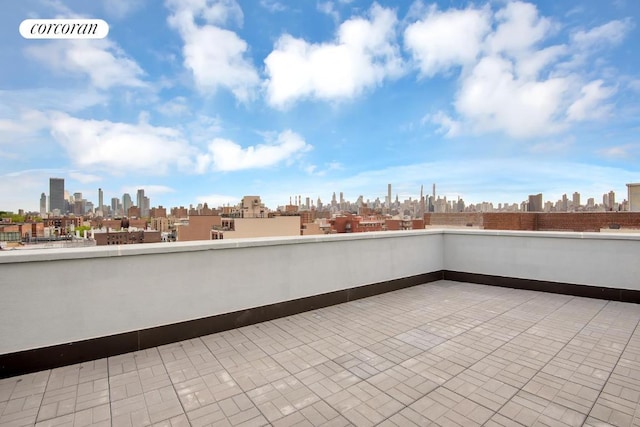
[[524, 302], [558, 352], [404, 406], [242, 392], [446, 340], [294, 375], [43, 393], [173, 385], [611, 373], [109, 390], [537, 293], [449, 339], [412, 327]]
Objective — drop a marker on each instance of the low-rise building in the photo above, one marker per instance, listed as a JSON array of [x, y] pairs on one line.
[[126, 237]]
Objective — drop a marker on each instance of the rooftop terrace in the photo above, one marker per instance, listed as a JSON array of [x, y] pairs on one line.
[[444, 353], [346, 330]]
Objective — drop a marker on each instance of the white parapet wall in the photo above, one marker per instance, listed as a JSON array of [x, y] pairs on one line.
[[610, 260], [58, 296], [50, 297]]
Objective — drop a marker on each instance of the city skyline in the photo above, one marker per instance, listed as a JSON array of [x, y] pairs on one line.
[[536, 202], [209, 101]]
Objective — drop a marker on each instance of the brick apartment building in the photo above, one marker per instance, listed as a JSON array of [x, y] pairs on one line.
[[180, 212], [63, 222], [350, 223], [404, 224], [126, 237], [159, 212], [116, 224], [198, 228]]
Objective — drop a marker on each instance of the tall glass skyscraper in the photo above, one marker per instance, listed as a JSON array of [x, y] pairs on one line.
[[56, 194]]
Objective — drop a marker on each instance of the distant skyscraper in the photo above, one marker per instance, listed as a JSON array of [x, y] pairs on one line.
[[140, 199], [612, 200], [43, 204], [146, 207], [78, 207], [389, 196], [576, 200], [115, 206], [100, 199], [126, 202], [535, 203], [56, 195]]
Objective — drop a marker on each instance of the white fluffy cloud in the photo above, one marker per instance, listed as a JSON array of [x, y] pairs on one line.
[[492, 98], [120, 147], [363, 54], [511, 79], [590, 104], [611, 33], [520, 28], [226, 155], [102, 61], [117, 148], [530, 66], [442, 40], [215, 56]]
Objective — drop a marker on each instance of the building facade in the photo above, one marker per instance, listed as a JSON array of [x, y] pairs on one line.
[[634, 197], [126, 237], [56, 195]]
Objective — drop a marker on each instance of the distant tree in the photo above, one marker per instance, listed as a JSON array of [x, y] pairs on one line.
[[12, 216], [82, 229], [17, 218]]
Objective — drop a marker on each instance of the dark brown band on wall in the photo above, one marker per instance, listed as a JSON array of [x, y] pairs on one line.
[[588, 291], [39, 359]]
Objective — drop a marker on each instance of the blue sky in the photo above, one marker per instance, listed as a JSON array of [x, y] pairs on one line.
[[207, 101]]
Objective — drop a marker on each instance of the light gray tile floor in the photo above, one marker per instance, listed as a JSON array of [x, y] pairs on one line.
[[444, 353]]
